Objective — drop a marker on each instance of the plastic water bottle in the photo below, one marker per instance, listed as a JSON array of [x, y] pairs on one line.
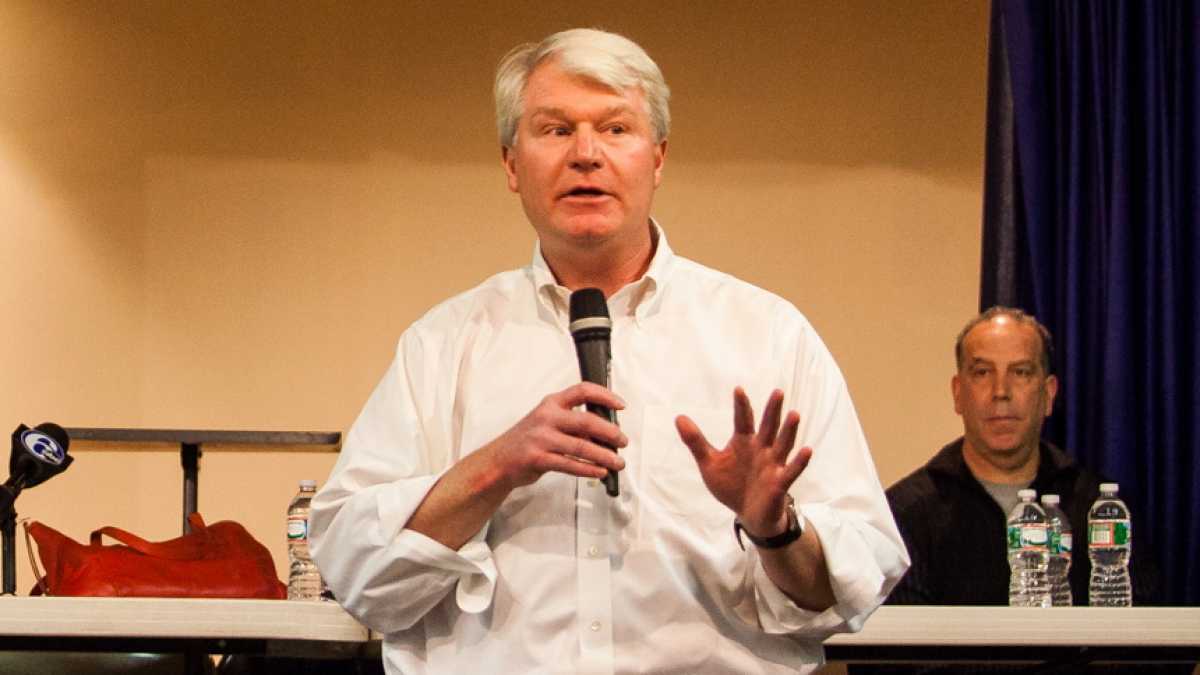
[[1028, 554], [304, 580], [1110, 543], [1060, 540]]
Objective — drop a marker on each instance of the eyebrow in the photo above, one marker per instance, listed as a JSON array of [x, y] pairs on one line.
[[609, 112], [980, 360]]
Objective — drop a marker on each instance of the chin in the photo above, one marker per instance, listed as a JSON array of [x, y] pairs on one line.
[[1005, 447], [588, 229]]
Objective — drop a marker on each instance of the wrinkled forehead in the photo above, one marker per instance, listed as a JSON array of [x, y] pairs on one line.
[[1003, 338]]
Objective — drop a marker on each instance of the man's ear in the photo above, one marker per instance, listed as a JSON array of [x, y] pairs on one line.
[[1051, 386], [660, 158], [508, 159], [955, 390]]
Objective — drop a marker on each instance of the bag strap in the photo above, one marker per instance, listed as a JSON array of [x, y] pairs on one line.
[[42, 588], [156, 549]]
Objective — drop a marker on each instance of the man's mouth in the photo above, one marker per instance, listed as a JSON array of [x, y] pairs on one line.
[[585, 191]]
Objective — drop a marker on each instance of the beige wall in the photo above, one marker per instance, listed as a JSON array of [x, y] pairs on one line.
[[222, 216]]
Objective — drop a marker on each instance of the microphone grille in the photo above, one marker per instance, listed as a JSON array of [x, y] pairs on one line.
[[587, 303]]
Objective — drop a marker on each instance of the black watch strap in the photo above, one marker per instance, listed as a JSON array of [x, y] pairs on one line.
[[795, 528]]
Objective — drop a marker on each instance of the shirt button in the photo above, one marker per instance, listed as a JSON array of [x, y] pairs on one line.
[[594, 551], [595, 626]]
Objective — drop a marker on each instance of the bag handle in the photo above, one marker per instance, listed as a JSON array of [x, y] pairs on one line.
[[42, 588], [151, 548]]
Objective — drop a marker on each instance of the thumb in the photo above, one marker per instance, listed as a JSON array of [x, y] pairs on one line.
[[693, 438]]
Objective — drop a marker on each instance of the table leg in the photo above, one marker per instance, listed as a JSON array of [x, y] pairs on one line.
[[189, 456]]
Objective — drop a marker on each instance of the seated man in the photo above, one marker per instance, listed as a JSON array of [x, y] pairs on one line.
[[953, 511]]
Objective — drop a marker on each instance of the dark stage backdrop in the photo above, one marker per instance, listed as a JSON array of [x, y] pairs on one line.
[[1092, 190]]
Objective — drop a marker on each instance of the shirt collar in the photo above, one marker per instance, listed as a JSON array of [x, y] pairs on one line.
[[639, 299]]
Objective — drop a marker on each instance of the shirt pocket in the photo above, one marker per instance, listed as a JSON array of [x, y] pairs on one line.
[[672, 482]]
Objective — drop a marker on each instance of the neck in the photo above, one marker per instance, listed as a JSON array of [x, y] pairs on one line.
[[607, 267], [1019, 467]]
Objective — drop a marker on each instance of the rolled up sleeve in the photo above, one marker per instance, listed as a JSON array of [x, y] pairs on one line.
[[840, 495], [386, 576]]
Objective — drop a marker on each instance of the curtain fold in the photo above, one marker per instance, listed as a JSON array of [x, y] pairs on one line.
[[1091, 194]]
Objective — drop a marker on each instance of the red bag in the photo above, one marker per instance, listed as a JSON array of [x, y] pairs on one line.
[[217, 561]]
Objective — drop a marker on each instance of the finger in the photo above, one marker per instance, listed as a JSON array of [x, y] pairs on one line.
[[743, 413], [586, 425], [787, 436], [568, 464], [588, 392], [769, 427], [693, 438], [586, 450], [797, 465]]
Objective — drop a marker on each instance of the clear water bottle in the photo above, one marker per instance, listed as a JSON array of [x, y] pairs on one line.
[[1060, 540], [304, 581], [1028, 554], [1110, 543]]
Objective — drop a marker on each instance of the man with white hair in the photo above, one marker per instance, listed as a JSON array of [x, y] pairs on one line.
[[466, 519]]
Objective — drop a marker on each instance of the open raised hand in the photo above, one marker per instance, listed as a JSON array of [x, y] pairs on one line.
[[752, 474]]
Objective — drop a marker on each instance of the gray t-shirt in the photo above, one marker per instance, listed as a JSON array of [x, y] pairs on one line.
[[1005, 494]]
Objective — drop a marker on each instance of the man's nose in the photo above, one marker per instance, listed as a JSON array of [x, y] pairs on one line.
[[585, 152], [1001, 388]]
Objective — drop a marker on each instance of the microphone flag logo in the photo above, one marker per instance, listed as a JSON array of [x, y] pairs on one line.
[[43, 447]]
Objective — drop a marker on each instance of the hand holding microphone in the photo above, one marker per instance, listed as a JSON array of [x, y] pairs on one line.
[[555, 436]]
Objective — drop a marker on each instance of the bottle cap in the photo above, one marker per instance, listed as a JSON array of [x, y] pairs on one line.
[[1110, 488], [1026, 494], [310, 484], [1050, 499]]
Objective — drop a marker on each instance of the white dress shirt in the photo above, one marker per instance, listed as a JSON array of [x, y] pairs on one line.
[[565, 579]]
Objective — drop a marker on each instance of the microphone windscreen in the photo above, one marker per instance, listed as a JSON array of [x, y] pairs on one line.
[[56, 432], [588, 302]]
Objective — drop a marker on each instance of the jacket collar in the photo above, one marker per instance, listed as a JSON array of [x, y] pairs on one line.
[[949, 462]]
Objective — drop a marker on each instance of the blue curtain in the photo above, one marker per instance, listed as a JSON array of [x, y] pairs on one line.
[[1091, 198]]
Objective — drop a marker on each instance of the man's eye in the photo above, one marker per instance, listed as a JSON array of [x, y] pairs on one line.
[[617, 129], [560, 131]]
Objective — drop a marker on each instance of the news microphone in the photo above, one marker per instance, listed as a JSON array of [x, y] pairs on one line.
[[38, 454], [592, 330]]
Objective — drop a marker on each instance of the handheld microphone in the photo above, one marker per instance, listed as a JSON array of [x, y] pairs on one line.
[[591, 329]]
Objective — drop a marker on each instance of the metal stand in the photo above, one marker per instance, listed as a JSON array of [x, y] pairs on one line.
[[192, 442], [189, 457], [9, 528]]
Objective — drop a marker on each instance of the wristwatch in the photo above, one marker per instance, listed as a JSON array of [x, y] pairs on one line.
[[795, 528]]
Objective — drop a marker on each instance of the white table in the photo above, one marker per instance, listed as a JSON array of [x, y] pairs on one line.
[[268, 627], [894, 633], [324, 630]]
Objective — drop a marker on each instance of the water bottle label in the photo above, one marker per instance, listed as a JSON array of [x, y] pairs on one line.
[[1064, 542], [1108, 533], [297, 529], [1026, 537]]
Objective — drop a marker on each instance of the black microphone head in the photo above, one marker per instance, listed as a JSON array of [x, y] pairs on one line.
[[55, 432], [589, 311], [38, 454], [588, 302]]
